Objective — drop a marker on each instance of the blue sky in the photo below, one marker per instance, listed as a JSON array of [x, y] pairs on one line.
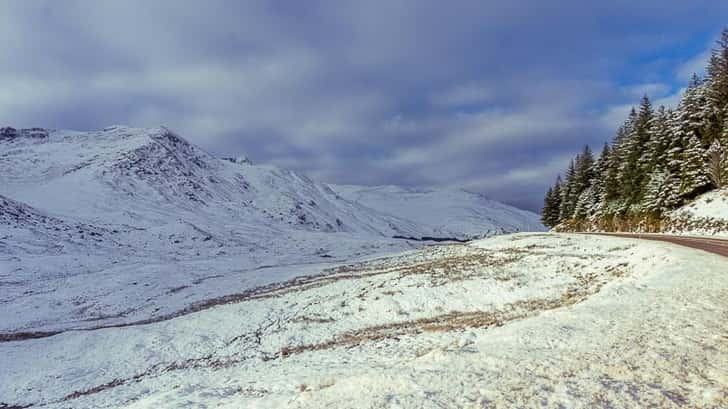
[[490, 96]]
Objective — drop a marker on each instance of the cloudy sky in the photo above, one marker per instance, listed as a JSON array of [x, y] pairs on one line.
[[493, 96]]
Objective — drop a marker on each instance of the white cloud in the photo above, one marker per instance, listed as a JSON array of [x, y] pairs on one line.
[[695, 65], [347, 90], [613, 116], [652, 90]]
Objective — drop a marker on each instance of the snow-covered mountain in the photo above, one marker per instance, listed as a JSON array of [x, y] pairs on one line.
[[91, 215], [453, 213], [142, 178]]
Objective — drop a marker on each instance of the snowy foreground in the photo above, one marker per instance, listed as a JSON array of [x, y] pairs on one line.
[[525, 320]]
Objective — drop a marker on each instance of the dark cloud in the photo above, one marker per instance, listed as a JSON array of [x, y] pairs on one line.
[[492, 96]]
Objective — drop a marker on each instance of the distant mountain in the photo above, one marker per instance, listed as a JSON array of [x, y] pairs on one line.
[[446, 213]]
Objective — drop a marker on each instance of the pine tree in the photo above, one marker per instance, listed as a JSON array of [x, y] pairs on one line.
[[691, 113], [551, 212], [642, 134], [598, 182], [662, 193], [569, 194], [584, 170], [613, 195], [654, 153], [724, 142], [555, 217], [584, 202], [715, 164], [548, 210], [716, 92], [694, 176], [631, 175]]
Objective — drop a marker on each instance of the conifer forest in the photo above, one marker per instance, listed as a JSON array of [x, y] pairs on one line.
[[659, 160]]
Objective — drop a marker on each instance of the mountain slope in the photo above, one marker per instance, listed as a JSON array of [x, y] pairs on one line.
[[141, 176], [452, 213], [125, 224], [152, 177]]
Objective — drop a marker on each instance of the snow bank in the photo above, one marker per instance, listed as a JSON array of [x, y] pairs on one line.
[[707, 215]]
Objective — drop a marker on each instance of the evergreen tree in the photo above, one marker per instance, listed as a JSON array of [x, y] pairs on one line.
[[690, 116], [548, 210], [716, 164], [555, 217], [612, 201], [694, 176], [662, 193], [551, 212], [724, 143], [676, 145], [641, 136], [599, 182], [716, 92], [723, 137], [584, 203], [584, 168], [631, 175], [569, 194], [655, 151]]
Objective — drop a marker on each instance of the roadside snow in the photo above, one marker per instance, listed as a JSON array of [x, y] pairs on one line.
[[515, 321], [707, 215]]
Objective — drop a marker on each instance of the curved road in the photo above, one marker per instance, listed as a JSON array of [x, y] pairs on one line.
[[711, 245]]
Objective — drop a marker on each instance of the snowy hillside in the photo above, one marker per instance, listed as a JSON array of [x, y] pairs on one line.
[[446, 212], [137, 224], [538, 320], [707, 215], [141, 176]]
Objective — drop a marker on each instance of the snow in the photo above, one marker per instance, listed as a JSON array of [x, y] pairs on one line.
[[449, 212], [157, 275], [128, 224], [519, 320], [713, 204], [705, 216]]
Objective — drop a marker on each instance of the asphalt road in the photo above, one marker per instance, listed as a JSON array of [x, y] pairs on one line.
[[717, 246]]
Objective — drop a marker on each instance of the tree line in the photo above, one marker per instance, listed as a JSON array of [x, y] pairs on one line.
[[658, 160]]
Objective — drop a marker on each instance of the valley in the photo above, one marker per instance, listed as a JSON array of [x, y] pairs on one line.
[[139, 271]]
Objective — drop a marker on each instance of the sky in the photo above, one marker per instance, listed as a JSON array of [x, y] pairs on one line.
[[491, 96]]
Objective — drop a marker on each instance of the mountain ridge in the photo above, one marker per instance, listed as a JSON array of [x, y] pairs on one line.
[[157, 165]]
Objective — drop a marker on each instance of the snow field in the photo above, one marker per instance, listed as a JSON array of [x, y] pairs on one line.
[[518, 320]]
